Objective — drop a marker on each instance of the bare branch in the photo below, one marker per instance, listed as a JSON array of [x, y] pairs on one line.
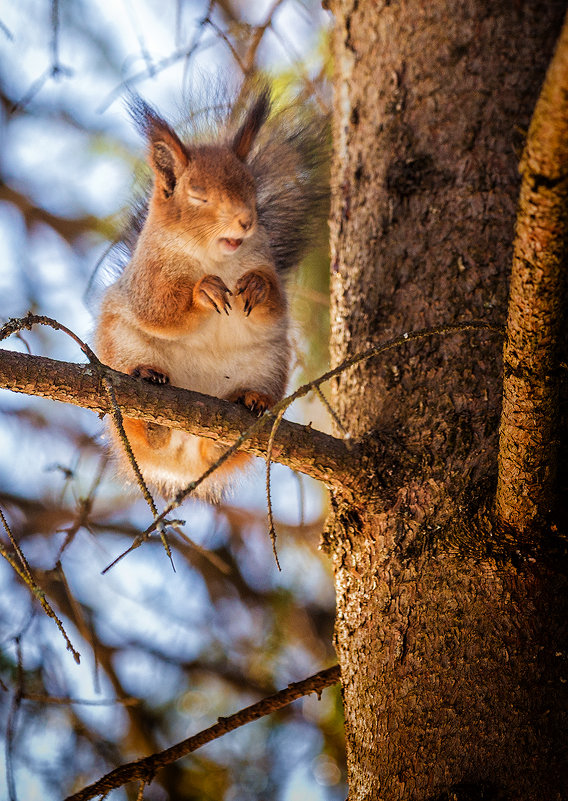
[[56, 69], [155, 67], [144, 770], [63, 701], [528, 437], [70, 228], [11, 722], [23, 570], [223, 36], [323, 457]]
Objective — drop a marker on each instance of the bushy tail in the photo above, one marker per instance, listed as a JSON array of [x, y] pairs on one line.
[[290, 165]]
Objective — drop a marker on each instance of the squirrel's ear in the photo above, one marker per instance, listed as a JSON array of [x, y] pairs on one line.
[[167, 154], [168, 159], [254, 120]]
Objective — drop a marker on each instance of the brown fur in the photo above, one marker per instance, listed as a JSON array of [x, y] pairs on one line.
[[200, 302]]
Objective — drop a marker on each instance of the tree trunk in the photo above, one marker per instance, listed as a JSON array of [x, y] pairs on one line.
[[450, 632]]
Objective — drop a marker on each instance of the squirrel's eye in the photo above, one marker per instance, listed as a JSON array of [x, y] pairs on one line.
[[197, 196]]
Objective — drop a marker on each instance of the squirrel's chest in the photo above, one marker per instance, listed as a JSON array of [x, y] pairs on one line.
[[222, 333], [226, 352]]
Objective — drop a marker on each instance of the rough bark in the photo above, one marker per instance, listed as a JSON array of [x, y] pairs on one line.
[[450, 634], [530, 417]]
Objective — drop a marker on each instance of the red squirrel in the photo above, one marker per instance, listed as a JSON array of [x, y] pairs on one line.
[[201, 303]]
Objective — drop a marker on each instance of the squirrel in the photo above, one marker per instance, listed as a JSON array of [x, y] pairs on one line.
[[201, 302]]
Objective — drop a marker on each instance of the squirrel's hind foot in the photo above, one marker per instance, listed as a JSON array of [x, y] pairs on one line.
[[147, 373], [256, 402]]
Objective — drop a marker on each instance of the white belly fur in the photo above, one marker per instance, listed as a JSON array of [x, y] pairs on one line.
[[227, 353]]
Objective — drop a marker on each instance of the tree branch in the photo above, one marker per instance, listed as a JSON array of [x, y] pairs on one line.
[[145, 769], [70, 228], [334, 461], [314, 453], [528, 438]]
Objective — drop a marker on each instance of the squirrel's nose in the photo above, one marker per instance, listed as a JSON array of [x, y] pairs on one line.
[[245, 221]]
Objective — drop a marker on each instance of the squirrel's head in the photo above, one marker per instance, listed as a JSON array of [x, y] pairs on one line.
[[205, 193]]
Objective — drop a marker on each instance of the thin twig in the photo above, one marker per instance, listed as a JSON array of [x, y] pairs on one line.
[[55, 34], [11, 723], [177, 24], [272, 530], [258, 34], [313, 86], [63, 701], [16, 324], [6, 31], [23, 561], [25, 573], [301, 500], [395, 342], [116, 415], [158, 66], [222, 35], [146, 57], [190, 488], [84, 508], [331, 411], [200, 27], [211, 557], [56, 68], [24, 342], [145, 769]]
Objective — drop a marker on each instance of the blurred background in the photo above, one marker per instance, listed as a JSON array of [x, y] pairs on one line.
[[163, 653]]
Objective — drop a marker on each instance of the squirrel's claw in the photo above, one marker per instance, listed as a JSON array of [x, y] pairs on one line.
[[254, 287], [211, 292], [150, 374], [255, 402]]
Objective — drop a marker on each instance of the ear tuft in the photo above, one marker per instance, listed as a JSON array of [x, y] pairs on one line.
[[167, 154], [254, 120]]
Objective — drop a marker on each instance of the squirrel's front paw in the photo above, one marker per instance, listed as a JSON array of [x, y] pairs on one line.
[[212, 292], [254, 288], [149, 374]]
